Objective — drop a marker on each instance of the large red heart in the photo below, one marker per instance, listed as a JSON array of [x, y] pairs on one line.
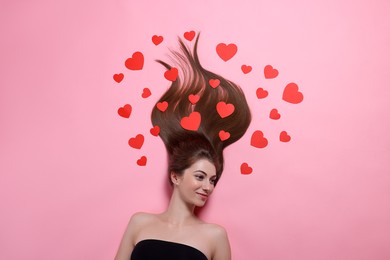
[[274, 114], [136, 62], [155, 130], [246, 169], [162, 106], [223, 135], [137, 142], [261, 93], [246, 69], [214, 83], [193, 98], [291, 94], [258, 140], [125, 111], [191, 122], [146, 93], [157, 39], [171, 74], [118, 77], [226, 52], [189, 35], [270, 72], [284, 137], [142, 161], [224, 110]]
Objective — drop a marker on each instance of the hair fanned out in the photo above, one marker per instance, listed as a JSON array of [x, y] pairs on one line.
[[194, 79]]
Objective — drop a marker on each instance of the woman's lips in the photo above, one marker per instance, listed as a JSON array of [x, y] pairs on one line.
[[202, 196]]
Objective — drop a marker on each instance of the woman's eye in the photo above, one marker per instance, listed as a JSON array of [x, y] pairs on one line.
[[199, 177]]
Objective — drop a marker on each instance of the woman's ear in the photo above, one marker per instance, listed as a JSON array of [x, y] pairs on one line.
[[175, 178]]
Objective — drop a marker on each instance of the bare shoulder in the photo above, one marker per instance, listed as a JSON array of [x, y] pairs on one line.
[[220, 241], [140, 218]]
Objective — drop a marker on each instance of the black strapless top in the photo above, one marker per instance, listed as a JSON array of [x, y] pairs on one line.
[[154, 249]]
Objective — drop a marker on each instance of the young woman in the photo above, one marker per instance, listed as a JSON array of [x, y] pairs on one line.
[[195, 164]]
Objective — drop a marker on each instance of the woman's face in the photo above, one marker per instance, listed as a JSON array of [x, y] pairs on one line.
[[197, 182]]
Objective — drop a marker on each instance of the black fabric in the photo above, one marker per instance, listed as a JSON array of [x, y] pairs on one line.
[[154, 249]]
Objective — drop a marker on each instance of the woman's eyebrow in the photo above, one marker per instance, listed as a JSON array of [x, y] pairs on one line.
[[214, 176]]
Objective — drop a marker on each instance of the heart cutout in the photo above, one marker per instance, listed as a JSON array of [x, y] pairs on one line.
[[258, 140], [223, 135], [155, 130], [246, 69], [245, 169], [125, 111], [270, 72], [118, 77], [284, 137], [274, 114], [191, 122], [261, 93], [189, 35], [146, 93], [214, 83], [162, 106], [171, 74], [142, 161], [193, 98], [226, 52], [136, 62], [224, 110], [291, 94], [137, 142], [157, 39]]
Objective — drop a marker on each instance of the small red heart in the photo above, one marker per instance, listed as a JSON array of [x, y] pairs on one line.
[[246, 69], [291, 94], [224, 110], [118, 77], [189, 35], [261, 93], [284, 137], [136, 62], [157, 39], [162, 106], [245, 169], [214, 83], [226, 52], [270, 72], [155, 130], [125, 111], [137, 142], [274, 114], [142, 161], [193, 98], [191, 122], [223, 135], [171, 74], [258, 140], [146, 93]]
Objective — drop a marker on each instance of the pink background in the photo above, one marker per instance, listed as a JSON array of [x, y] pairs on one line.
[[69, 181]]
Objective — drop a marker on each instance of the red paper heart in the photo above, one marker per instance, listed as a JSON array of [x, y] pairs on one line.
[[171, 74], [189, 35], [224, 110], [193, 98], [125, 111], [270, 72], [291, 94], [191, 122], [162, 106], [137, 142], [245, 169], [146, 93], [284, 137], [246, 69], [223, 135], [155, 130], [142, 161], [118, 77], [274, 114], [258, 140], [214, 83], [261, 93], [226, 52], [157, 39], [136, 62]]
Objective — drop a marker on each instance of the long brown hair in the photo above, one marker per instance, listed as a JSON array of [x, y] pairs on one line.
[[186, 146]]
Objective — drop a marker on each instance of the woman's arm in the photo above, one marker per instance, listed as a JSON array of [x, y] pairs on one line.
[[127, 243], [222, 245]]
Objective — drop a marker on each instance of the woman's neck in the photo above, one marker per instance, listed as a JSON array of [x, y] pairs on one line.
[[178, 212]]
